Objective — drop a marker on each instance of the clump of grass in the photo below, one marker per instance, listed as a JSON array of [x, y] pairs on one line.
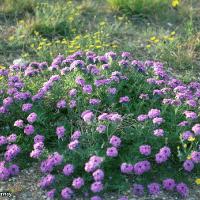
[[51, 19], [16, 7], [137, 6]]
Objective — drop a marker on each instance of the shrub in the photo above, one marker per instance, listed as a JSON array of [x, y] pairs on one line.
[[99, 123]]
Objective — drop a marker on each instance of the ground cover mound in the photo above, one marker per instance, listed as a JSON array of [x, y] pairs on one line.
[[100, 123]]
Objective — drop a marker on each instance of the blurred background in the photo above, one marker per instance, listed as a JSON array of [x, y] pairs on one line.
[[166, 30]]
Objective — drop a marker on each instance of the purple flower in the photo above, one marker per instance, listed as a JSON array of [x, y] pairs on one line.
[[196, 129], [183, 123], [76, 135], [68, 169], [61, 104], [144, 96], [66, 193], [13, 170], [60, 131], [72, 104], [124, 99], [87, 89], [166, 151], [158, 120], [160, 158], [158, 132], [169, 184], [87, 116], [19, 123], [26, 107], [94, 101], [126, 55], [38, 145], [93, 163], [32, 118], [114, 117], [190, 115], [112, 91], [186, 135], [115, 141], [123, 63], [182, 189], [96, 198], [73, 145], [101, 128], [29, 129], [112, 152], [153, 113], [142, 118], [103, 117], [98, 175], [188, 165], [7, 101], [153, 188], [191, 103], [195, 156], [80, 81], [142, 167], [56, 159], [4, 173], [36, 153], [38, 138], [11, 138], [78, 183], [96, 187], [102, 59], [3, 140], [138, 189], [105, 66], [46, 181], [126, 168], [72, 92], [51, 194], [145, 150]]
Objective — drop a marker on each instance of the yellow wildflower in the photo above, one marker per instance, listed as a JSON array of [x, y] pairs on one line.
[[2, 67], [189, 157], [153, 38], [173, 33], [148, 46], [191, 139], [175, 3], [197, 181], [171, 38], [156, 41]]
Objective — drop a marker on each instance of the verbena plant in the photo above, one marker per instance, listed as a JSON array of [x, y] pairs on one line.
[[99, 123]]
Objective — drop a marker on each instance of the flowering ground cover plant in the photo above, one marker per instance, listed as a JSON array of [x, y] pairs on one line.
[[100, 123]]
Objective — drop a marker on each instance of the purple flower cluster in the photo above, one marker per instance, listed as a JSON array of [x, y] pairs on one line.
[[38, 146], [163, 155], [142, 167], [93, 163], [11, 152], [52, 161], [46, 88]]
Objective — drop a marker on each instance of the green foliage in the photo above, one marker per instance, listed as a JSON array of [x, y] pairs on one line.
[[138, 6], [17, 7]]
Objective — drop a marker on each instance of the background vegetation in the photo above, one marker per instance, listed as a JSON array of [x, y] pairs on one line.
[[162, 30]]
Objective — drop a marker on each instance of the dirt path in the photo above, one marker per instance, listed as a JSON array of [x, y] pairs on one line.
[[24, 187]]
